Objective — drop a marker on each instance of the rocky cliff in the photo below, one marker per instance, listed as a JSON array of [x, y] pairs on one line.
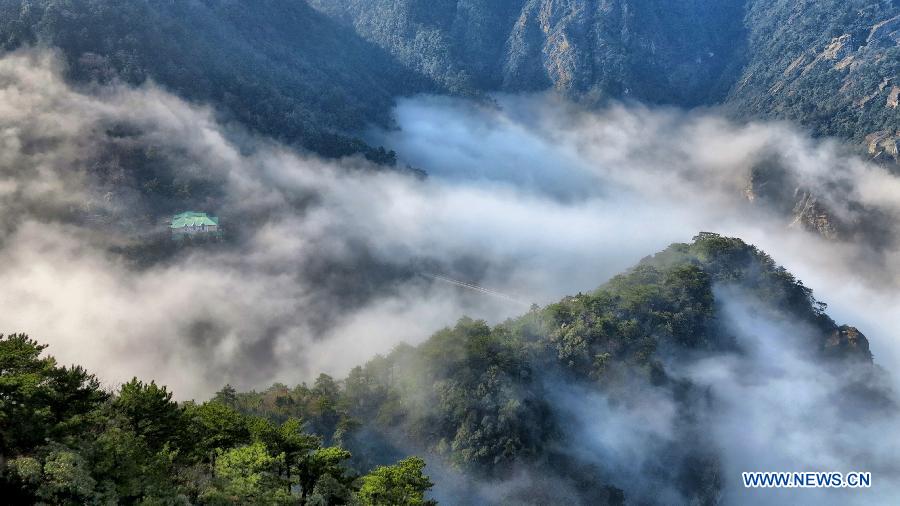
[[829, 210]]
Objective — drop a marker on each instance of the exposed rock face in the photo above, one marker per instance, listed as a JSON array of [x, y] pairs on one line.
[[768, 183], [849, 343], [883, 145], [893, 97], [771, 186], [625, 48], [460, 44], [827, 209], [840, 48], [886, 32], [812, 215]]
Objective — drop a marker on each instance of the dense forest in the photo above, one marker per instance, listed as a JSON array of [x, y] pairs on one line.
[[66, 440], [479, 400]]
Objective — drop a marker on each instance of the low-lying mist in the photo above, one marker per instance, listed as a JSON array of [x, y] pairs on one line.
[[327, 263]]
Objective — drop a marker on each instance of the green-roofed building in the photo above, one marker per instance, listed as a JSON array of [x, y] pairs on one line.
[[192, 223]]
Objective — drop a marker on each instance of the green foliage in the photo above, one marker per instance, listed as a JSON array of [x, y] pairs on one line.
[[227, 396], [38, 399], [65, 441], [323, 69], [150, 410], [248, 475], [478, 395], [66, 478], [683, 53], [321, 463], [127, 467], [402, 484], [210, 426], [318, 406]]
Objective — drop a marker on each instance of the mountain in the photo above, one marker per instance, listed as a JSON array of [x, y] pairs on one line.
[[277, 66], [522, 398], [830, 66], [315, 72], [841, 217]]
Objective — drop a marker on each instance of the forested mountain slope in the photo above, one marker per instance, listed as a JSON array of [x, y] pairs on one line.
[[316, 71], [278, 66], [833, 66], [830, 66], [527, 395]]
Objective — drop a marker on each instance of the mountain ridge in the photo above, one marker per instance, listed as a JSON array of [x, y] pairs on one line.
[[316, 72]]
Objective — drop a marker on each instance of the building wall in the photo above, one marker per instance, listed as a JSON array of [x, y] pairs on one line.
[[195, 230]]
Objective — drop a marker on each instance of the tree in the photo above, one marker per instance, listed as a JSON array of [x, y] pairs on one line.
[[65, 441], [150, 410], [295, 444], [63, 478], [127, 468], [227, 396], [322, 462], [38, 399], [209, 426], [402, 484], [331, 491], [248, 475]]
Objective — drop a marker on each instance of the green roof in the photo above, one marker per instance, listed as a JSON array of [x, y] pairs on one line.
[[193, 219]]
